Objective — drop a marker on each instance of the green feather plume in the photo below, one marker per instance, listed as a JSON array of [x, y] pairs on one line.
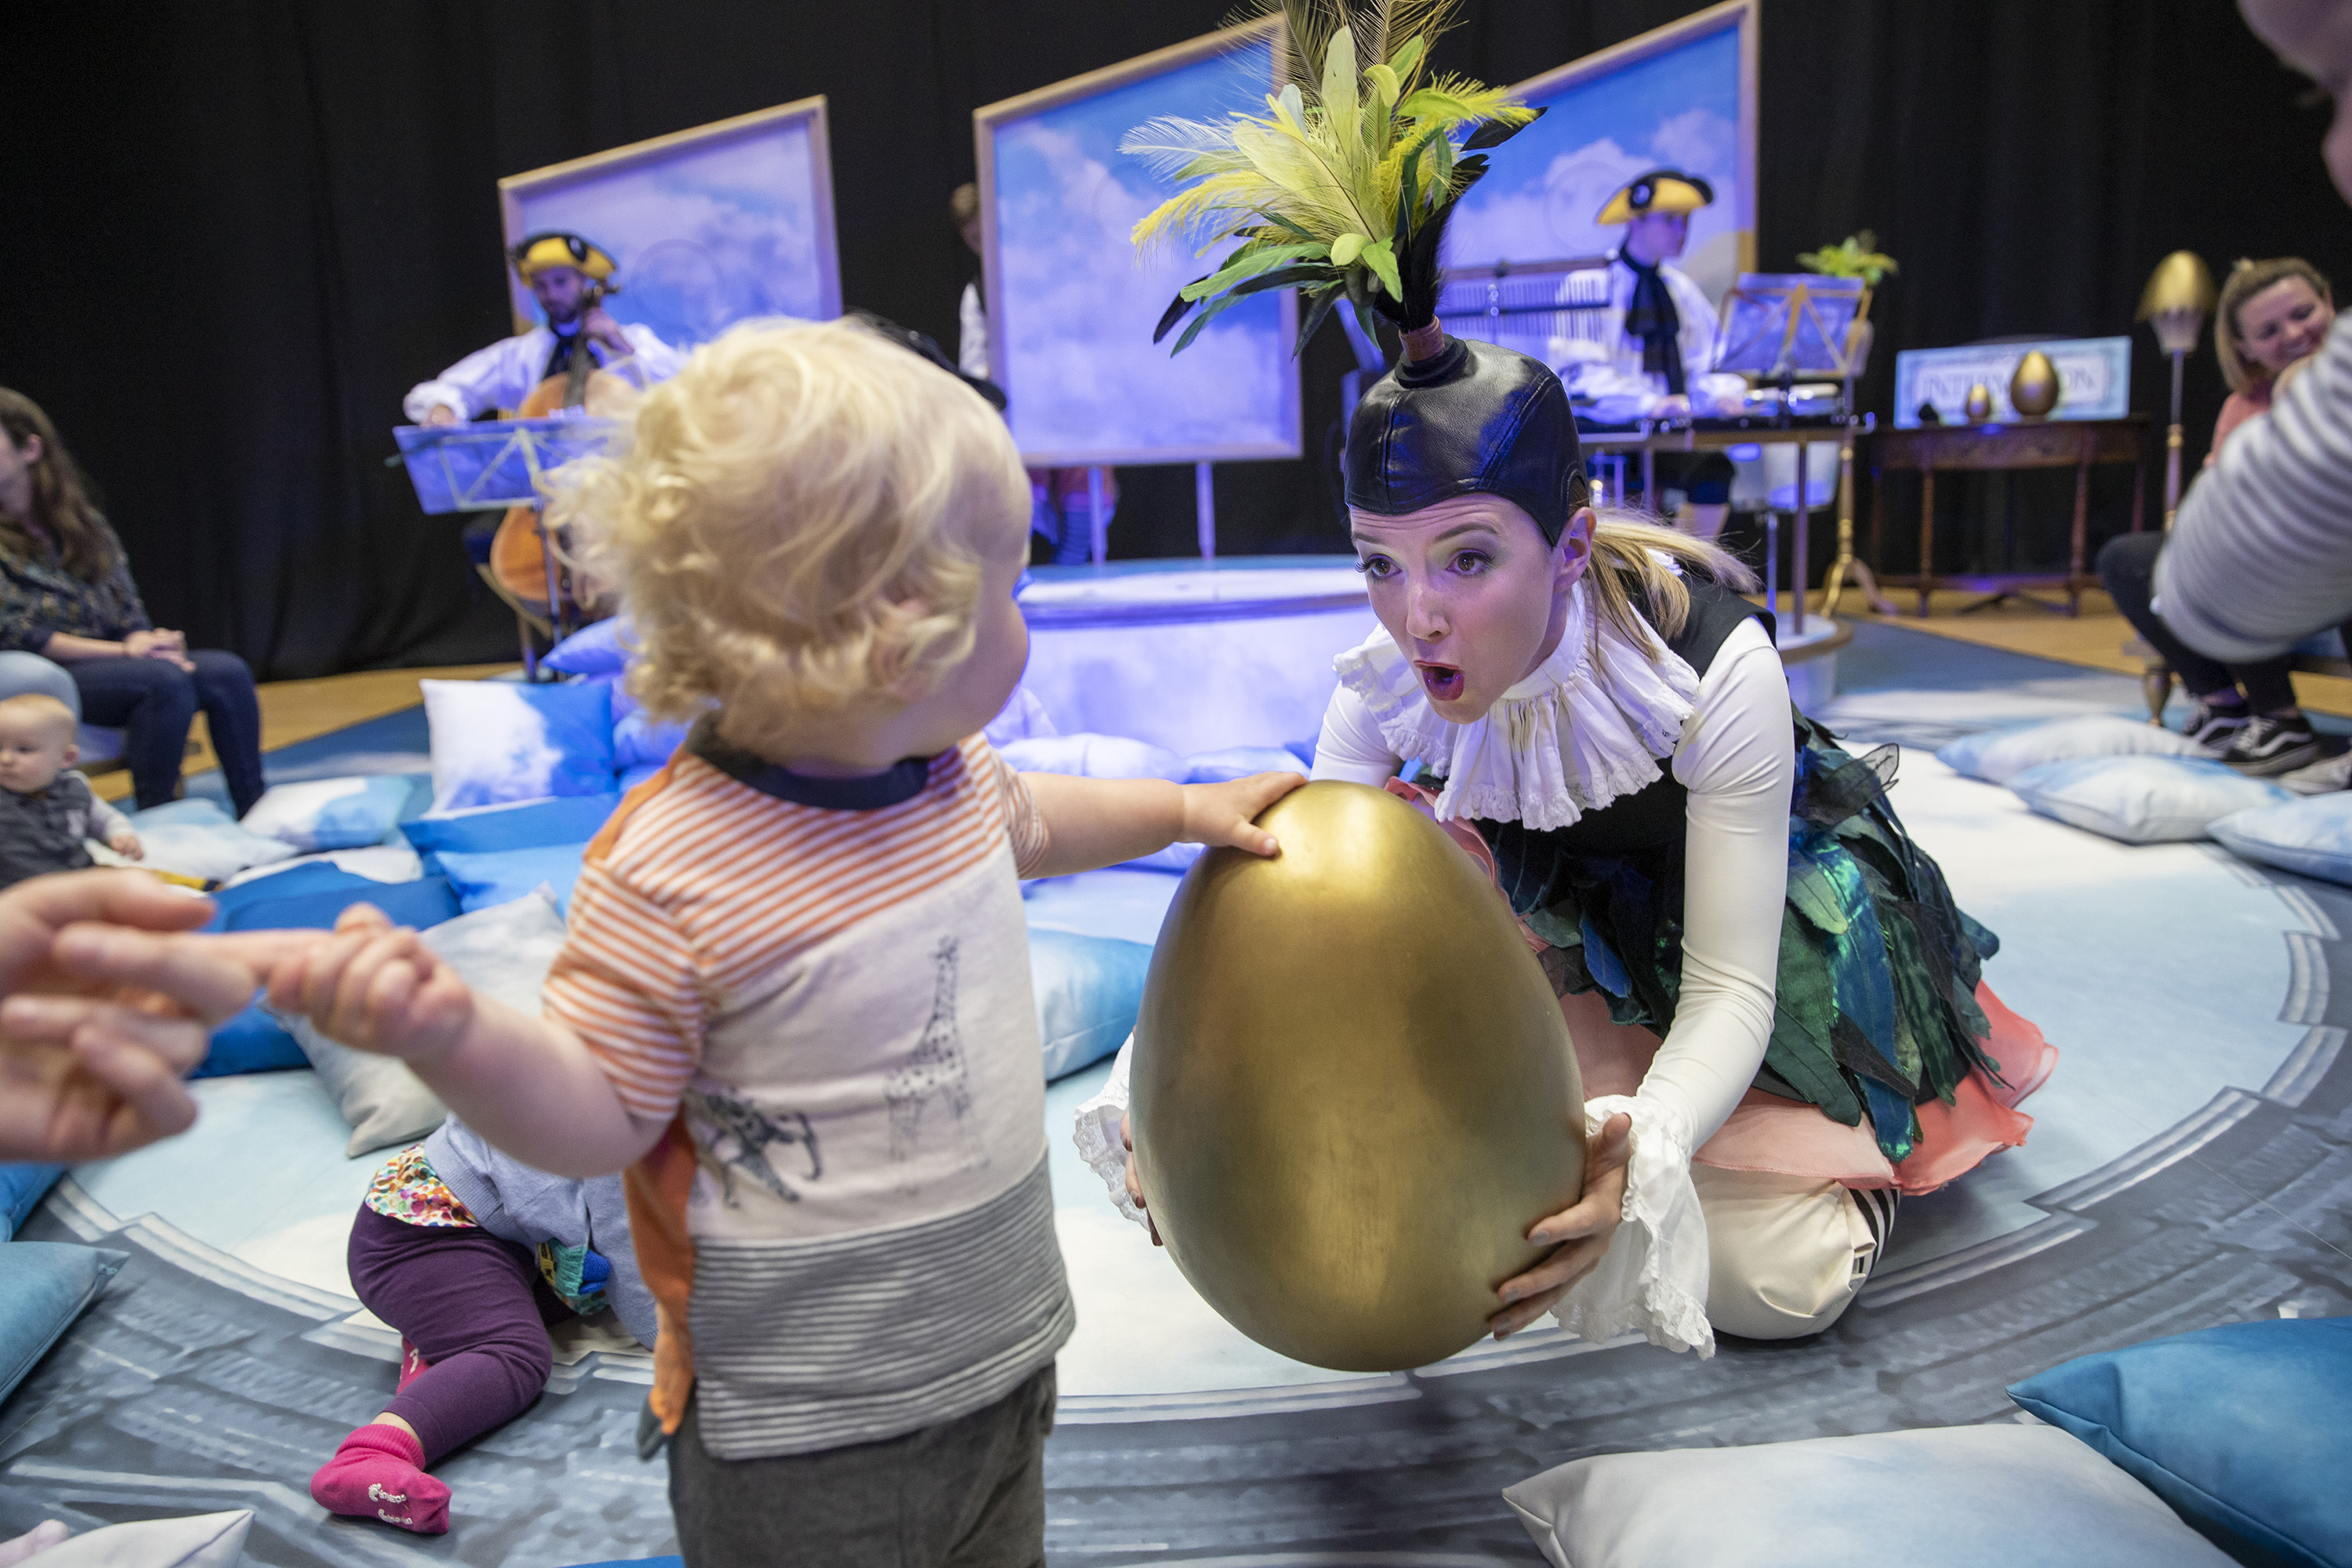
[[1342, 189]]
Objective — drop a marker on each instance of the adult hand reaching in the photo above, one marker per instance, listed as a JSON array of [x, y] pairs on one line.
[[105, 1008], [1583, 1231], [439, 413]]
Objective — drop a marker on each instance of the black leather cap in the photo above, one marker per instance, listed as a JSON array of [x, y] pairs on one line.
[[1471, 419]]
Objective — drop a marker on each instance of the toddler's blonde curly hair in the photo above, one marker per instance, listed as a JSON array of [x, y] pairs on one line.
[[796, 523]]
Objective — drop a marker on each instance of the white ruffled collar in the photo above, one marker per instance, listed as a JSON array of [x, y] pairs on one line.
[[1594, 722]]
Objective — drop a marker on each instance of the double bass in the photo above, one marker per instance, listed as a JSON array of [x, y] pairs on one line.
[[540, 580]]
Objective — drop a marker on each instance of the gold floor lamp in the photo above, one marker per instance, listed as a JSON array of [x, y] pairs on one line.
[[2178, 294]]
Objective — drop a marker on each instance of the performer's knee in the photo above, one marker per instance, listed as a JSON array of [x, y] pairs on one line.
[[1786, 1254]]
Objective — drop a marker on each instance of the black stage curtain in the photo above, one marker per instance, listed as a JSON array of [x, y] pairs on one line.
[[235, 232]]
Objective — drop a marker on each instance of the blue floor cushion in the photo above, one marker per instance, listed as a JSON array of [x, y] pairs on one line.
[[253, 1041], [2311, 837], [331, 813], [1240, 763], [566, 819], [1999, 755], [2143, 800], [498, 741], [1089, 989], [2243, 1428], [44, 1286], [428, 901], [601, 647], [486, 879], [307, 898], [1954, 1497], [299, 881], [22, 1188]]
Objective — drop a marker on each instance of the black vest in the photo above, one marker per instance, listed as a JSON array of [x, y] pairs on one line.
[[1529, 861]]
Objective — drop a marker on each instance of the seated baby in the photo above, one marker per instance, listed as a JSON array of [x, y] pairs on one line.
[[45, 808]]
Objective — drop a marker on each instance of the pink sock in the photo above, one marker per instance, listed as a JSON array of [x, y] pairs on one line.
[[412, 1367], [379, 1473]]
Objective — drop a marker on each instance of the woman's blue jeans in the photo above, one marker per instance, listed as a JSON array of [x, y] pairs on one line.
[[154, 701]]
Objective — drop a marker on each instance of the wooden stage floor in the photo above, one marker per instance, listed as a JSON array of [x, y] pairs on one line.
[[2095, 639]]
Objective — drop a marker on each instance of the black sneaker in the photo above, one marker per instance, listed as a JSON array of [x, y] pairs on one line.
[[2270, 744], [2214, 727]]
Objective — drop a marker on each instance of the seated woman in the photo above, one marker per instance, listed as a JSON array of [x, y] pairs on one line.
[[1777, 1011], [66, 594], [2271, 315]]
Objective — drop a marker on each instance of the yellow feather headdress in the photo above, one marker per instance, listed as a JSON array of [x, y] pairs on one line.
[[1341, 189]]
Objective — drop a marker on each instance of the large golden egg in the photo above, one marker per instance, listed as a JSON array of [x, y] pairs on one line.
[[1353, 1090]]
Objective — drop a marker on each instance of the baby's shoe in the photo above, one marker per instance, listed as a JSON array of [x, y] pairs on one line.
[[379, 1473]]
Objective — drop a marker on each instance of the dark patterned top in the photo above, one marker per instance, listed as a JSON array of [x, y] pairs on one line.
[[39, 599]]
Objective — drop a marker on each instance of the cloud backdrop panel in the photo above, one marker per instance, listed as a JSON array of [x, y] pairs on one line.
[[1076, 306], [1679, 108], [705, 236]]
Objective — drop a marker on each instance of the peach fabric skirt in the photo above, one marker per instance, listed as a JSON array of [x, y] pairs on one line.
[[1789, 1137]]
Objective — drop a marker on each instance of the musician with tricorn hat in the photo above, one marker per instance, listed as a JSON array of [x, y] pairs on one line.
[[1651, 353], [570, 276]]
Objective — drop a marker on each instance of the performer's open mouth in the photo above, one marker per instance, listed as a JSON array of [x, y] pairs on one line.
[[1443, 681]]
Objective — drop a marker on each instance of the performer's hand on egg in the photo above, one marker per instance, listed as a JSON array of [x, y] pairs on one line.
[[1223, 815], [1134, 1182], [1579, 1235]]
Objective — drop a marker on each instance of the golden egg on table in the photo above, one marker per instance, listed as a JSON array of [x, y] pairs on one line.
[[2036, 388], [1353, 1092]]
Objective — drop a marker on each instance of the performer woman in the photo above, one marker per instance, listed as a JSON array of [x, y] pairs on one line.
[[1777, 1007], [568, 276]]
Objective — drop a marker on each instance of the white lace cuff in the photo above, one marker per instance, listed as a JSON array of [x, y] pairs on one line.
[[1653, 1277], [1098, 1134]]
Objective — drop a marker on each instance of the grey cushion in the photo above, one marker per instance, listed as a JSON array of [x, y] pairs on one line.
[[503, 953], [198, 1541]]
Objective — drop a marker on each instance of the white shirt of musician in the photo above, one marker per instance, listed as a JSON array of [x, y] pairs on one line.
[[1600, 361], [503, 374]]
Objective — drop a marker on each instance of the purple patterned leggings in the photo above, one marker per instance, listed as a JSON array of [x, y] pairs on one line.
[[477, 1310]]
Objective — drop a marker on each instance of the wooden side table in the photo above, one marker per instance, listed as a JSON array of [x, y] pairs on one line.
[[2078, 444]]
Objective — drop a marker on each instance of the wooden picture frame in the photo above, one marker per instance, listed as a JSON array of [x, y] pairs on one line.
[[787, 145], [1140, 371], [1743, 16]]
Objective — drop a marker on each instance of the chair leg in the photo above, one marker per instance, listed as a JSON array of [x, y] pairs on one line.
[[2155, 686]]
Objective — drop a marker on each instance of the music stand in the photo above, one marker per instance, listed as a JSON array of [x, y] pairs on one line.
[[492, 463], [1778, 326]]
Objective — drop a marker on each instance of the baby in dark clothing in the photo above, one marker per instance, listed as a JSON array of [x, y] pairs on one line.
[[45, 808]]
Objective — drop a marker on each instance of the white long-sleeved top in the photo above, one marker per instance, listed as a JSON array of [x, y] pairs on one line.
[[2261, 555], [1599, 361], [1733, 751], [503, 374]]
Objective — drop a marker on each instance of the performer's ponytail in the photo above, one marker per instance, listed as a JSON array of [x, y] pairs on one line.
[[1630, 572]]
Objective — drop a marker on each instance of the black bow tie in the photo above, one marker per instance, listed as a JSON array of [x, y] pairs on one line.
[[1651, 315]]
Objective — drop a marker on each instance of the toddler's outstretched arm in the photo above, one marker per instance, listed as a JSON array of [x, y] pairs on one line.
[[1102, 822], [529, 1084]]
